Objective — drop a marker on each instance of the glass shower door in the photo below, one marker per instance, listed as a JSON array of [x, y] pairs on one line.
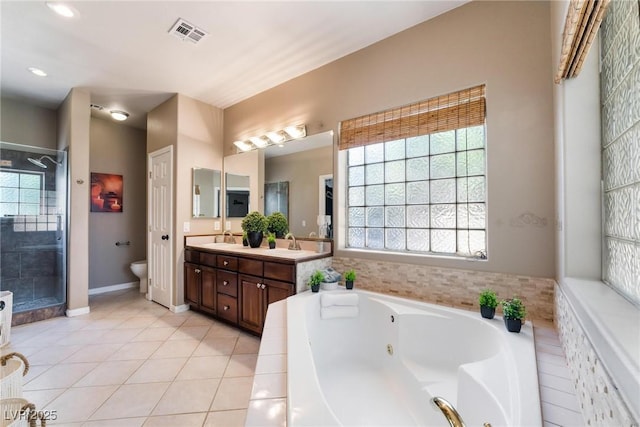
[[33, 206]]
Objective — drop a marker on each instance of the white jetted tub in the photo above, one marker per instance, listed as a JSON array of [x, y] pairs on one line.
[[358, 358]]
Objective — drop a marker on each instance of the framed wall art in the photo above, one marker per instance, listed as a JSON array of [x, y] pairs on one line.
[[106, 192]]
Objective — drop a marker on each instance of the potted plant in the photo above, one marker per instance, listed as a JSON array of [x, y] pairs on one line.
[[271, 239], [277, 224], [513, 312], [316, 278], [254, 224], [349, 278], [488, 303], [245, 239]]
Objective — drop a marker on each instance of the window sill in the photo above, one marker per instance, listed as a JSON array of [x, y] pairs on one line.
[[611, 324]]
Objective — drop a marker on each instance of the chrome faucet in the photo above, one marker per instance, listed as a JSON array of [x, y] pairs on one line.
[[229, 238], [294, 246], [313, 234]]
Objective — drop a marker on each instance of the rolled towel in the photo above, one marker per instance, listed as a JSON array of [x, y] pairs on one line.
[[337, 311], [330, 299]]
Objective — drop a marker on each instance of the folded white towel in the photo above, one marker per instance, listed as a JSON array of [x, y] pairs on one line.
[[337, 311], [330, 299]]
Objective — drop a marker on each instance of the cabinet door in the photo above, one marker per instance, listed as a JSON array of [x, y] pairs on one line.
[[192, 283], [276, 291], [252, 307], [208, 286]]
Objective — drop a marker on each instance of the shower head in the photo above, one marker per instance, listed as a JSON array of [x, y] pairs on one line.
[[39, 163]]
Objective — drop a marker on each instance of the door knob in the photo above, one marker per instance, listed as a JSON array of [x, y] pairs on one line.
[[165, 237]]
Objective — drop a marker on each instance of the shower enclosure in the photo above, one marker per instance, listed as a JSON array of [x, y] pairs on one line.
[[33, 223]]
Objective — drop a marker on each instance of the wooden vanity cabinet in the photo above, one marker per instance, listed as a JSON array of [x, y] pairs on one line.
[[236, 289]]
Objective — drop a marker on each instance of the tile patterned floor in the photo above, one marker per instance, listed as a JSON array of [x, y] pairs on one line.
[[131, 362]]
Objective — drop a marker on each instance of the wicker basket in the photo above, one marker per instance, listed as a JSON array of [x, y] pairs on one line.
[[13, 367], [6, 309], [17, 412]]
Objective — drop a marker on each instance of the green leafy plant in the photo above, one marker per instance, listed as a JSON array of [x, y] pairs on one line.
[[277, 224], [316, 278], [350, 275], [513, 309], [254, 222], [488, 298], [271, 238], [244, 235]]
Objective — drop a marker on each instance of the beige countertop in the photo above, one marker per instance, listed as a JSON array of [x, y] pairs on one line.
[[263, 251]]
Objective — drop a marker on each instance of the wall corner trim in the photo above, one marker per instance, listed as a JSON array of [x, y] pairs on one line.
[[77, 311]]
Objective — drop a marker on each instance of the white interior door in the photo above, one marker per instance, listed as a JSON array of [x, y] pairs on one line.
[[160, 222]]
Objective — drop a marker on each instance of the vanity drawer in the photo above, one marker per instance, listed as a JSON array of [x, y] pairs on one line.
[[227, 262], [207, 259], [228, 308], [284, 272], [227, 283], [192, 256], [250, 266]]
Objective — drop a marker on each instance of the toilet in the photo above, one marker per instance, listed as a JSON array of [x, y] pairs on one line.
[[139, 268]]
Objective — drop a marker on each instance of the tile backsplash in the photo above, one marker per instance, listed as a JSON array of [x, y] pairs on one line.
[[450, 287]]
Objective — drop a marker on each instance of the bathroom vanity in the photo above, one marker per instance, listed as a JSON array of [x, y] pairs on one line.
[[236, 283]]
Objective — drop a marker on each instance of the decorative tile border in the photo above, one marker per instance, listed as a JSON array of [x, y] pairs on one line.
[[450, 287], [599, 399]]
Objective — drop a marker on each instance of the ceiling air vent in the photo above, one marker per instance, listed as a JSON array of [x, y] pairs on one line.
[[187, 31]]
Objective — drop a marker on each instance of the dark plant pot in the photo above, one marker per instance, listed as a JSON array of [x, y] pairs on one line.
[[245, 242], [487, 312], [272, 245], [513, 325], [279, 234], [254, 238], [315, 288], [349, 284]]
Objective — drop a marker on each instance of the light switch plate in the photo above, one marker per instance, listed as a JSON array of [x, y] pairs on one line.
[[304, 223], [216, 225], [186, 227], [227, 225]]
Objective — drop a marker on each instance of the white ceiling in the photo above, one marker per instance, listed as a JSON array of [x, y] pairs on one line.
[[122, 52]]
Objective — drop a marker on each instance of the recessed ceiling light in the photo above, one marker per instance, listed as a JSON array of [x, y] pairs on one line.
[[37, 71], [61, 9], [119, 115]]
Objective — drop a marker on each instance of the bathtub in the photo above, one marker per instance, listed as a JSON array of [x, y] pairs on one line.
[[382, 367]]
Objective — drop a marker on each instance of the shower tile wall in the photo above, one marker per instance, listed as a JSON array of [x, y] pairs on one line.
[[620, 98], [31, 257], [451, 287]]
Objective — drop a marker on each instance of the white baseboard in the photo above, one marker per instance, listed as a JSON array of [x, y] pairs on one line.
[[77, 311], [179, 308], [111, 288]]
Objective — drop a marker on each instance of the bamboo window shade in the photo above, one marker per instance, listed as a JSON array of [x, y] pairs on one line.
[[580, 28], [456, 110]]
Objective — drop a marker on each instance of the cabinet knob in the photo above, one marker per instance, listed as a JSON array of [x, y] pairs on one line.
[[263, 286], [225, 262], [226, 307], [257, 285], [225, 283], [197, 270]]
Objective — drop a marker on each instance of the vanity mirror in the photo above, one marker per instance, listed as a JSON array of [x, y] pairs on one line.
[[299, 178], [237, 193], [207, 184]]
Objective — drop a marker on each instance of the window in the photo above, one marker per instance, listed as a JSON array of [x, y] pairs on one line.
[[423, 193], [20, 193]]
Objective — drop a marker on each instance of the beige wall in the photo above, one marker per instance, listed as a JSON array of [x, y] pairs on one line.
[[27, 124], [505, 45], [121, 150], [199, 144], [302, 170], [73, 134]]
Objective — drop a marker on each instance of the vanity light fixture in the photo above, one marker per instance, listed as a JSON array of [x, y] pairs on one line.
[[37, 71], [278, 137], [61, 9], [119, 115]]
